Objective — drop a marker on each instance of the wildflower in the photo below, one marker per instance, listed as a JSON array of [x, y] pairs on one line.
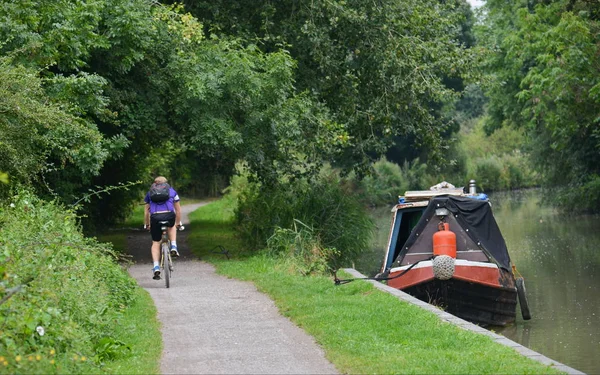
[[51, 361], [30, 358], [38, 357], [52, 352], [83, 359], [12, 205], [18, 358], [40, 330], [1, 358], [5, 363]]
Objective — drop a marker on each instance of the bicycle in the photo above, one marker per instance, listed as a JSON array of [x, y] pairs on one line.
[[166, 262]]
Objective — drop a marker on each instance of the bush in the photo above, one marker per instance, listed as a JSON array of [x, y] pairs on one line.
[[61, 292], [389, 180], [507, 171], [302, 248], [489, 173], [496, 161], [584, 195], [336, 218], [384, 185]]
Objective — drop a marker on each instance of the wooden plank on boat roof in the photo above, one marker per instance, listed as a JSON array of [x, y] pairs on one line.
[[428, 194], [416, 203]]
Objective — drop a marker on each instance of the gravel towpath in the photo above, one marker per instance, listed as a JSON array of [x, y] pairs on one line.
[[215, 325]]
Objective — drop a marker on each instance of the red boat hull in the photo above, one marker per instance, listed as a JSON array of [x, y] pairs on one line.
[[479, 292]]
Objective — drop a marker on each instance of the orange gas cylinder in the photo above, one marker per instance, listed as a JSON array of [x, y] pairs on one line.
[[444, 242]]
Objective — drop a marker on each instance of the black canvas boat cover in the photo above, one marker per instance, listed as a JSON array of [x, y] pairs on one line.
[[474, 215]]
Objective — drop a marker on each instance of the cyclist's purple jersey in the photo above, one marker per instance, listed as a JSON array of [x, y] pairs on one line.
[[165, 206]]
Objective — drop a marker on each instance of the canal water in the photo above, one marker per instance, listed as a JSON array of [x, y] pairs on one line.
[[559, 258]]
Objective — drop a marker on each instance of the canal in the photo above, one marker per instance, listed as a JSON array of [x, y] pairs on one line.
[[559, 257]]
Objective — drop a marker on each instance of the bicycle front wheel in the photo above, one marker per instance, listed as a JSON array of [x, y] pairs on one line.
[[166, 264]]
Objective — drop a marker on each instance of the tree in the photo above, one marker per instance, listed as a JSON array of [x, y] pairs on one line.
[[38, 132], [381, 68], [145, 82], [542, 58]]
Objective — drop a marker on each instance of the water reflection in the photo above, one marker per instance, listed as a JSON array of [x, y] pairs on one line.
[[560, 260]]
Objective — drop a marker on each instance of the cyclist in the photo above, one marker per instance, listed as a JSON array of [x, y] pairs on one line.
[[165, 208]]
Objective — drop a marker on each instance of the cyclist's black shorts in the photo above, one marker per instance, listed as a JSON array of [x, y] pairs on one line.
[[155, 226]]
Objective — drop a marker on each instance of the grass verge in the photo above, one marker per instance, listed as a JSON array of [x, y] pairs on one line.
[[140, 329], [211, 229], [361, 329]]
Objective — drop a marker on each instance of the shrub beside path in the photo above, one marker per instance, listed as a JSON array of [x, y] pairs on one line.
[[215, 325]]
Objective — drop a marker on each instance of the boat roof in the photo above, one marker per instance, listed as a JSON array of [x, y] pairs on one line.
[[472, 214]]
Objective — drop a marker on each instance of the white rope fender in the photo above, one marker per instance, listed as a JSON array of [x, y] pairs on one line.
[[443, 267]]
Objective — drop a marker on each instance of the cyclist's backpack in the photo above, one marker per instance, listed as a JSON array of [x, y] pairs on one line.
[[159, 193]]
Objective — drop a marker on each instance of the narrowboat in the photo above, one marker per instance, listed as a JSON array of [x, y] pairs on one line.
[[445, 248]]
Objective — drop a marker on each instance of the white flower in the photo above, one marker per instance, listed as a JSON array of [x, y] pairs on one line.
[[26, 203], [40, 330], [12, 205]]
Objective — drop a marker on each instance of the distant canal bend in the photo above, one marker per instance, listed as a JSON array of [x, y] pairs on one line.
[[559, 257]]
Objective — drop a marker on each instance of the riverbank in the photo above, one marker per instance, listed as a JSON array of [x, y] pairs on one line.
[[361, 329], [461, 323]]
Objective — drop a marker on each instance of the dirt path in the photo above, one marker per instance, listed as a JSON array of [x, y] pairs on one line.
[[215, 325]]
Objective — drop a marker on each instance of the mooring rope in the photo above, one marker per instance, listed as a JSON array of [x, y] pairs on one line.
[[346, 281]]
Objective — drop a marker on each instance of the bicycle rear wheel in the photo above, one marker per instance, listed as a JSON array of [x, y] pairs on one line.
[[166, 263]]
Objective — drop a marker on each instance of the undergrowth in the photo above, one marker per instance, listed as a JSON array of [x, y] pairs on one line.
[[62, 295], [319, 220]]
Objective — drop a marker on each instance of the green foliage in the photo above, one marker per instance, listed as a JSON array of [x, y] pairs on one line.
[[104, 190], [139, 329], [217, 223], [390, 180], [585, 194], [122, 90], [60, 292], [542, 63], [331, 215], [498, 161], [36, 130], [59, 55], [379, 67], [249, 109], [384, 185], [471, 104], [300, 246], [107, 348], [488, 173]]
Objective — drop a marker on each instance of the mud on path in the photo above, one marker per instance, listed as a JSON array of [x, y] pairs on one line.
[[215, 325]]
